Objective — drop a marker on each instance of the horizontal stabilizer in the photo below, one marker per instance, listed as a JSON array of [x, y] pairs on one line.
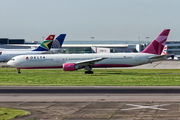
[[157, 56], [47, 52], [53, 51]]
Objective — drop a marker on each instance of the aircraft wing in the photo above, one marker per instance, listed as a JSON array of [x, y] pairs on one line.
[[47, 52], [157, 56], [53, 51], [58, 50], [91, 61]]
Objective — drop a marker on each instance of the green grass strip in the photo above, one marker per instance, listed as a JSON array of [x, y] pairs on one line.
[[8, 113], [101, 77]]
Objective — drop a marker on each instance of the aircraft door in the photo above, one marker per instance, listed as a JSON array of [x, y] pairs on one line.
[[58, 60], [138, 60]]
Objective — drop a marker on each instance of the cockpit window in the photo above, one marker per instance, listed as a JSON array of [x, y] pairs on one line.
[[12, 59]]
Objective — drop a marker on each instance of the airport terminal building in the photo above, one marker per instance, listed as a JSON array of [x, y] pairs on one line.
[[173, 47], [101, 48], [87, 46], [11, 41], [74, 47]]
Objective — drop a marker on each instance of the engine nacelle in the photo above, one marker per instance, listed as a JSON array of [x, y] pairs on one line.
[[69, 67]]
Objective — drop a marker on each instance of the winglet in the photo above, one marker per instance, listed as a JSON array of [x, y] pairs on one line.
[[57, 43], [157, 45], [46, 45]]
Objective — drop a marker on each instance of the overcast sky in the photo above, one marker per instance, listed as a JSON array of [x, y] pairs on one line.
[[81, 19]]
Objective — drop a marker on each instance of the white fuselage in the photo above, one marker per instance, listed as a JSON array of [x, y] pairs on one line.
[[57, 60]]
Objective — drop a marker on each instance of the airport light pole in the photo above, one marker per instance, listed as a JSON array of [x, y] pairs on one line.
[[147, 39], [92, 43], [43, 38]]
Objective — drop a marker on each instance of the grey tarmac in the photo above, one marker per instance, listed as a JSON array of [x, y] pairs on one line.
[[93, 106], [97, 110]]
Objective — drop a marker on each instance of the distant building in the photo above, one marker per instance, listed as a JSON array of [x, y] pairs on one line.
[[4, 40], [16, 41], [102, 48], [11, 41], [173, 47]]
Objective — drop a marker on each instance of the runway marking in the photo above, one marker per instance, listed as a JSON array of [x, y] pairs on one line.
[[150, 107]]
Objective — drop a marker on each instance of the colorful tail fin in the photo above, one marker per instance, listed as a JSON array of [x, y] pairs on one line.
[[46, 44], [57, 43], [164, 52], [157, 45]]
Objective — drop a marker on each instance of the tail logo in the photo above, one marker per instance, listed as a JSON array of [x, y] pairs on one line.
[[56, 44], [51, 37], [164, 52], [47, 44]]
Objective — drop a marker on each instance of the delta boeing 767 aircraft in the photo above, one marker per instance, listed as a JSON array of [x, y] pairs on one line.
[[72, 62]]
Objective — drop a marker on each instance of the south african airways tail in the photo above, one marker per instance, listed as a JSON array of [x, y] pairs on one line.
[[46, 44]]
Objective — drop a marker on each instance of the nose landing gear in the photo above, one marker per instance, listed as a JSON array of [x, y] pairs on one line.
[[19, 72]]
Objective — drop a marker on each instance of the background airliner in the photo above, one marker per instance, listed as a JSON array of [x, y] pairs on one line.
[[43, 48], [72, 62], [164, 52]]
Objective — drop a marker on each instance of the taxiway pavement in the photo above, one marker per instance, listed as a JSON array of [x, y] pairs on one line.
[[93, 102]]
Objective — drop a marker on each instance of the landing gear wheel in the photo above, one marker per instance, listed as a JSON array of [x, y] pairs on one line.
[[19, 72], [89, 72]]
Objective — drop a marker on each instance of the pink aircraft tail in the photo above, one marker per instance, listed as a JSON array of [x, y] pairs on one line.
[[157, 45]]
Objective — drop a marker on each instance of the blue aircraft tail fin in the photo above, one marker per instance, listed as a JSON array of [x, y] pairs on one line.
[[57, 43]]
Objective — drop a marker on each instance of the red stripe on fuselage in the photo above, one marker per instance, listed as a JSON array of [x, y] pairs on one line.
[[47, 67]]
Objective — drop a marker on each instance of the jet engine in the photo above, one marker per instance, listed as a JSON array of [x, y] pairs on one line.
[[70, 67]]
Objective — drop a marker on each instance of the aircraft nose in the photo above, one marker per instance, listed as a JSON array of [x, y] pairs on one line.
[[10, 63]]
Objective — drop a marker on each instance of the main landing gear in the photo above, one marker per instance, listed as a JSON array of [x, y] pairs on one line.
[[88, 70], [19, 72]]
